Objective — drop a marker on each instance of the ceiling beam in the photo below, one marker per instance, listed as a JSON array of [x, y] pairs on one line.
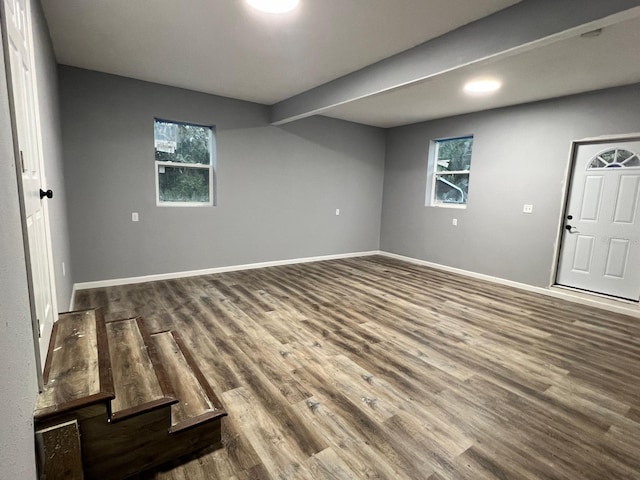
[[525, 25]]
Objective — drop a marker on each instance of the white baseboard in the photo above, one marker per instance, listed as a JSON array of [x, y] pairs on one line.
[[610, 304], [193, 273]]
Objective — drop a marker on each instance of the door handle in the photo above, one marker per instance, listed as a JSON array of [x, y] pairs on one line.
[[570, 229], [48, 194]]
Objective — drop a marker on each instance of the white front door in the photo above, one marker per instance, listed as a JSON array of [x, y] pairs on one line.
[[23, 84], [601, 237]]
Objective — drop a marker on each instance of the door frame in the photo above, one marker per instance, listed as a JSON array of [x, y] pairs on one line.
[[568, 184], [43, 179]]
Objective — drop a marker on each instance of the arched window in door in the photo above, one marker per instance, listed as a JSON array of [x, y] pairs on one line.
[[615, 158]]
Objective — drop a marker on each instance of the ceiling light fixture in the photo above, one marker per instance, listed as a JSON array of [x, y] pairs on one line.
[[482, 86], [274, 6]]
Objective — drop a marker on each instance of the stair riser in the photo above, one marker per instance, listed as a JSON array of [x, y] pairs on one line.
[[58, 450], [136, 444], [114, 450], [99, 410]]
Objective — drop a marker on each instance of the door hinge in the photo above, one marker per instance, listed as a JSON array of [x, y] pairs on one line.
[[39, 330], [22, 161]]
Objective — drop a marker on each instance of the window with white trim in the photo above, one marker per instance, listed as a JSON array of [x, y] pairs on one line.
[[185, 164], [449, 170]]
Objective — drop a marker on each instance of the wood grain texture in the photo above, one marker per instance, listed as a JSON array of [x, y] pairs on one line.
[[193, 399], [135, 380], [76, 374], [376, 368]]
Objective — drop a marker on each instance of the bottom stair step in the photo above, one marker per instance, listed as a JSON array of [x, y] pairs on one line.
[[164, 407], [198, 403]]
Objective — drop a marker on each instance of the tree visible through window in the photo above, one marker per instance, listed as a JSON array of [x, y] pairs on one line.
[[451, 168], [185, 163]]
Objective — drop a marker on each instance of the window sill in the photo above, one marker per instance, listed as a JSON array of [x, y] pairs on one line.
[[183, 204], [448, 205]]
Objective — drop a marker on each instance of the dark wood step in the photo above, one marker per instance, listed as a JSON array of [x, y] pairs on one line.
[[198, 404], [164, 407], [77, 371], [136, 400], [140, 381]]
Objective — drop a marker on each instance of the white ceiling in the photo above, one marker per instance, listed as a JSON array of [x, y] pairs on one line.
[[224, 47], [561, 68]]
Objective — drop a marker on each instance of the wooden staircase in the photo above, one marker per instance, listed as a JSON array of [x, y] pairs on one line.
[[119, 400]]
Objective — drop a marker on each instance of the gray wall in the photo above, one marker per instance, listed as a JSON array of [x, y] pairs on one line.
[[46, 71], [278, 187], [521, 155], [18, 383]]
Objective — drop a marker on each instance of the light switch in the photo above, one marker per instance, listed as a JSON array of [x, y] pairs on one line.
[[454, 222], [337, 211], [134, 216]]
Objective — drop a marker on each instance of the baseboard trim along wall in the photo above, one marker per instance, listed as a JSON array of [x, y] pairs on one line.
[[612, 305], [626, 308], [207, 271]]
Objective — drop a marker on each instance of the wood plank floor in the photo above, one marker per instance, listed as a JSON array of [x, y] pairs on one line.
[[375, 368]]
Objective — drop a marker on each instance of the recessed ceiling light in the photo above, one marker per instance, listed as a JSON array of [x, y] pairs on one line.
[[482, 86], [274, 6]]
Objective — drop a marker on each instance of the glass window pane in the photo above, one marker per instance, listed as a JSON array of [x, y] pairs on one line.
[[454, 154], [609, 156], [452, 188], [176, 142], [622, 155], [615, 159], [183, 184]]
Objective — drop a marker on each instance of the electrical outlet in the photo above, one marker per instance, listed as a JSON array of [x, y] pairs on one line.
[[527, 208], [454, 222], [337, 211], [134, 216]]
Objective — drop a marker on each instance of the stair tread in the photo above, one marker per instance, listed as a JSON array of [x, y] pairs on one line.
[[206, 417], [189, 389], [75, 372], [135, 379]]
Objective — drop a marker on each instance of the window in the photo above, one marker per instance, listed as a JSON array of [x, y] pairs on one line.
[[615, 158], [185, 164], [449, 167]]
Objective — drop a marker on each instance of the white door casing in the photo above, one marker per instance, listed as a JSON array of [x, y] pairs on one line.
[[25, 109], [601, 251]]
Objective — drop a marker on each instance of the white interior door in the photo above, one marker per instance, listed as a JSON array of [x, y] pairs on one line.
[[23, 85], [601, 240]]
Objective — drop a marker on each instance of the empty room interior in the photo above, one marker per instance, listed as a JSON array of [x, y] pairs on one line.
[[304, 239]]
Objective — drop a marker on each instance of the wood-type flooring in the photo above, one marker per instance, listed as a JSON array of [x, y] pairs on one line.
[[372, 368]]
